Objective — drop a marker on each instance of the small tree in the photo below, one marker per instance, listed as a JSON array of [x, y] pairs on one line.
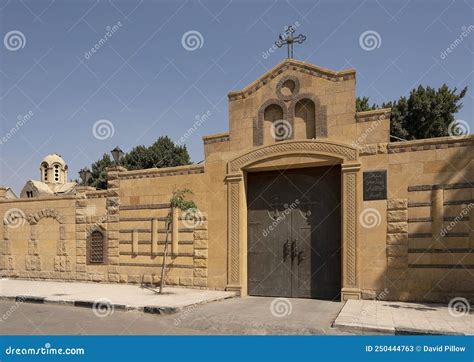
[[179, 202]]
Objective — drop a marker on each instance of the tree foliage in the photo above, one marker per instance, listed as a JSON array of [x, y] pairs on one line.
[[178, 200], [426, 113], [162, 153], [362, 104], [98, 177]]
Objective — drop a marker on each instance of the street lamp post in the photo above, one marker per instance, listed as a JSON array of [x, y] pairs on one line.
[[116, 154], [85, 175]]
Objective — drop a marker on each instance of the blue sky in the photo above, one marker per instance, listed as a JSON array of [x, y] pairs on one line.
[[145, 82]]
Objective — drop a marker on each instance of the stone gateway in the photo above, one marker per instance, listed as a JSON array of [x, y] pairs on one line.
[[303, 197]]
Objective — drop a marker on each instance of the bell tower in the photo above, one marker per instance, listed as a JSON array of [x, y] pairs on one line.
[[53, 170]]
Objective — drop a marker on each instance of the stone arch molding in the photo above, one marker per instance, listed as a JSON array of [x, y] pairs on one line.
[[258, 122], [236, 211], [333, 149], [62, 261], [320, 117], [33, 219]]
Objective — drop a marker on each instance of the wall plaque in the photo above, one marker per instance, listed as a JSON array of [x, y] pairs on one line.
[[375, 185]]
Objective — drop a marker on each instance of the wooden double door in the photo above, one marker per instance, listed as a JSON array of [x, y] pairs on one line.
[[294, 233]]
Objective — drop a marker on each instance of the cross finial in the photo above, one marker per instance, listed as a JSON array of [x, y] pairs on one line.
[[289, 39]]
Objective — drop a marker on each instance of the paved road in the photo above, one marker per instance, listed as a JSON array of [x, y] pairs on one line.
[[252, 315]]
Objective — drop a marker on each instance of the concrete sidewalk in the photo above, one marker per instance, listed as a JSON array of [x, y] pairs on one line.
[[404, 318], [102, 296]]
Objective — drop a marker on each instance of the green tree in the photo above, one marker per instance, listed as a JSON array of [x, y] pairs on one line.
[[426, 113], [362, 104], [398, 117], [98, 177], [162, 153]]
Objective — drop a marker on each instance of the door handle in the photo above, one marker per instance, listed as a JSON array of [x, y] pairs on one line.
[[294, 250], [300, 255], [286, 249]]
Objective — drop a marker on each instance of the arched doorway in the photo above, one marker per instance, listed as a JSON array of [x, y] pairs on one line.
[[294, 232], [294, 155]]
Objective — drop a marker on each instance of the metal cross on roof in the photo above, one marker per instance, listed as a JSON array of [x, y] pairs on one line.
[[289, 39]]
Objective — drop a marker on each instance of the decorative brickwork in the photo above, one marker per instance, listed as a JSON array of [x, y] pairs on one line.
[[160, 172], [309, 146], [296, 66], [397, 233], [374, 115], [113, 222]]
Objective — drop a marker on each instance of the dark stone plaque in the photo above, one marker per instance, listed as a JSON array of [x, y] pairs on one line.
[[375, 185]]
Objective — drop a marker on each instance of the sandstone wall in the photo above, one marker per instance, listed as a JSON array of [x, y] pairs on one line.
[[143, 207], [421, 246], [38, 238]]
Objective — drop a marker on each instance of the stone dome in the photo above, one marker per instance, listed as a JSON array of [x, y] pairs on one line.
[[53, 169], [54, 158]]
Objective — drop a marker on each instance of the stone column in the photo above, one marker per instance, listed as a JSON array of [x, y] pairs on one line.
[[350, 180], [135, 242], [7, 260], [33, 259], [113, 222], [437, 214], [154, 236], [234, 234], [201, 243], [397, 233], [175, 231]]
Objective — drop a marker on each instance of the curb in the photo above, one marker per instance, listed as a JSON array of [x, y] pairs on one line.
[[29, 299], [362, 328], [90, 304], [414, 331], [150, 309], [393, 331]]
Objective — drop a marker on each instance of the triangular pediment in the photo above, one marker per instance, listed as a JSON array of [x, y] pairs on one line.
[[295, 65]]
